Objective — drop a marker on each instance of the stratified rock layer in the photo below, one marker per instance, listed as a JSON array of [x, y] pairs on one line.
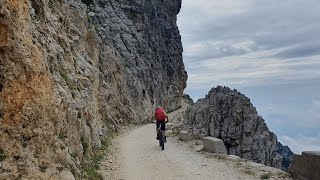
[[229, 115], [72, 71]]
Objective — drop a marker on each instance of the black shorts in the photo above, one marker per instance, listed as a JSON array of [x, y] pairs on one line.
[[163, 125]]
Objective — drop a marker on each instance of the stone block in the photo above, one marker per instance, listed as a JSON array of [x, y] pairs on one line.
[[184, 136], [306, 166], [214, 145]]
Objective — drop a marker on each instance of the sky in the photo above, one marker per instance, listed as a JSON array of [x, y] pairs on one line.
[[267, 49]]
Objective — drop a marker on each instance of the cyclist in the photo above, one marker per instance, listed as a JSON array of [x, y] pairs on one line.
[[161, 118]]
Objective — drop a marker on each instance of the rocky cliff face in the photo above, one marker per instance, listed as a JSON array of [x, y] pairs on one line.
[[230, 116], [72, 71]]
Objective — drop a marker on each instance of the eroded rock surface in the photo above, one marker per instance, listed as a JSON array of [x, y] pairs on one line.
[[72, 71]]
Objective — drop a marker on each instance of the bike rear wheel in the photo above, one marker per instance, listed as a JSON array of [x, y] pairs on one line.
[[161, 139]]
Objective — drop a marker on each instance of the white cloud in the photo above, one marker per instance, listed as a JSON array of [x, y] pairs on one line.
[[204, 9], [300, 143], [215, 49], [270, 23], [253, 69]]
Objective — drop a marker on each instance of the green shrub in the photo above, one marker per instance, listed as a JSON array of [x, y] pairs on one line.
[[91, 167], [91, 172]]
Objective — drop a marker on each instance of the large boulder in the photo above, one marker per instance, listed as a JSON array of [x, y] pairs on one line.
[[184, 136], [214, 145]]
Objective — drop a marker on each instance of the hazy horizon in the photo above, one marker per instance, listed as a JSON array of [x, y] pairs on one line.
[[268, 50]]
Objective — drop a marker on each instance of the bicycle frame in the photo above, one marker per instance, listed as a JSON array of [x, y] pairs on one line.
[[161, 137]]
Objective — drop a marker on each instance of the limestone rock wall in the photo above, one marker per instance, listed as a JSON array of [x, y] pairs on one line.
[[72, 71], [230, 116]]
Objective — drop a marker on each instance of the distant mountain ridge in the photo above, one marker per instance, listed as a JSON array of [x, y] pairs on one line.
[[229, 115], [287, 155]]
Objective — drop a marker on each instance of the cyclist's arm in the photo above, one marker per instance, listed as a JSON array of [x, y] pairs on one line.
[[167, 118]]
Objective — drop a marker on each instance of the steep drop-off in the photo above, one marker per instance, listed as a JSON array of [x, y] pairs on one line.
[[72, 71], [229, 115]]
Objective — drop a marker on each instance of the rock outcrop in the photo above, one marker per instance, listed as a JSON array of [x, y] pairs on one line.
[[287, 155], [230, 116], [72, 71]]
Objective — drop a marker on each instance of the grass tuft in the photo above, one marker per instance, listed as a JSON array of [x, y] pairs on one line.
[[249, 171], [92, 166], [220, 156], [85, 145], [67, 79], [265, 176]]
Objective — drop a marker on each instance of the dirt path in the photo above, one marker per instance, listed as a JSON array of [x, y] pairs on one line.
[[142, 158], [136, 155]]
